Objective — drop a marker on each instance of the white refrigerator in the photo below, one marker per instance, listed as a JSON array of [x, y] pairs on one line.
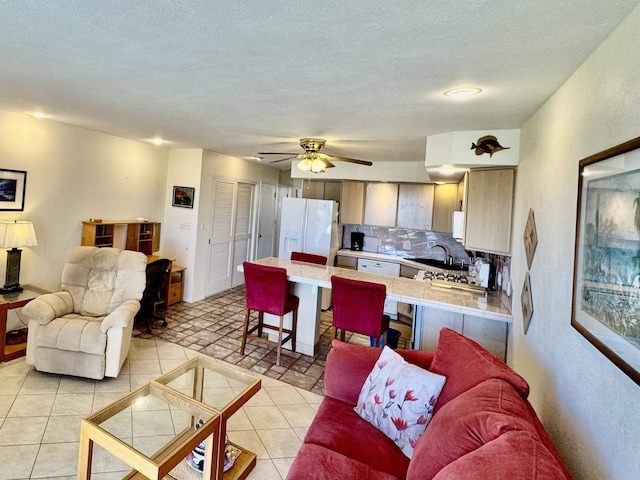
[[309, 226]]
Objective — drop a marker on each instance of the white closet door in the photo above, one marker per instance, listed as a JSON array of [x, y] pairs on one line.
[[242, 231], [221, 244]]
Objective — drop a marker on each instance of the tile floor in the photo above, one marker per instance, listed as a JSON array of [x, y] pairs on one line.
[[40, 416], [213, 326]]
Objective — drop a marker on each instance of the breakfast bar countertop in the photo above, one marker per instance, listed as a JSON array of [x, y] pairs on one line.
[[406, 290]]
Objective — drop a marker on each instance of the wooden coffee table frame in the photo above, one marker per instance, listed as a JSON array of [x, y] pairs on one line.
[[163, 461]]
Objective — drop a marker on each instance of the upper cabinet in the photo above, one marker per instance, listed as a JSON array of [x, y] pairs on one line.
[[489, 210], [352, 203], [444, 204], [321, 190], [381, 204], [415, 206]]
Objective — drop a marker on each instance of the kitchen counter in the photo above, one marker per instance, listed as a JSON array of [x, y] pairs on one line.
[[484, 313], [381, 257]]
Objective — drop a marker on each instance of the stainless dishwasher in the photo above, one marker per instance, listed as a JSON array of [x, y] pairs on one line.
[[382, 268]]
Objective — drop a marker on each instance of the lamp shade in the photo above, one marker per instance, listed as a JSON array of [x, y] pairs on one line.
[[17, 234]]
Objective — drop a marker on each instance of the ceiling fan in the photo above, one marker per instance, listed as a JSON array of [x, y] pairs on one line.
[[312, 160]]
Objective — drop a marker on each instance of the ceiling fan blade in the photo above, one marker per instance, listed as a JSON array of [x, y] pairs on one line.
[[351, 160], [276, 153], [283, 159], [328, 164]]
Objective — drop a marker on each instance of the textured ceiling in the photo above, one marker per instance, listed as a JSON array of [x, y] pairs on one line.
[[239, 77]]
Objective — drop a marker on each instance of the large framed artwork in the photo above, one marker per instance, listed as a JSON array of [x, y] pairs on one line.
[[12, 185], [606, 283]]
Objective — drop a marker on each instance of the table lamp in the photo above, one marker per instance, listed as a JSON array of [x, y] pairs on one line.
[[13, 235]]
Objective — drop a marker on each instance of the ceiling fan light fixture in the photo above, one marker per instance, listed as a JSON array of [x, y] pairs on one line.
[[317, 166], [304, 165]]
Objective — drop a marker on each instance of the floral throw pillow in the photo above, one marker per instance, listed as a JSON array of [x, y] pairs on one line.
[[398, 399]]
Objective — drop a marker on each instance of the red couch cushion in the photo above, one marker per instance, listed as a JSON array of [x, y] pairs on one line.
[[337, 427], [465, 364], [474, 418], [348, 365], [513, 455], [318, 463]]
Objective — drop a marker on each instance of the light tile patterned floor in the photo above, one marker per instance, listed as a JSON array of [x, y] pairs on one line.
[[213, 326], [40, 417]]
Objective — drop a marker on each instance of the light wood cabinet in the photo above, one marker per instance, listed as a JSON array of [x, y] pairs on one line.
[[445, 202], [415, 206], [352, 203], [343, 261], [489, 210], [321, 190], [381, 204], [140, 236], [176, 284]]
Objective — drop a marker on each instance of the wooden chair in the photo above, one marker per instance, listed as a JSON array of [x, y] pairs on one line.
[[309, 258], [358, 307], [267, 292]]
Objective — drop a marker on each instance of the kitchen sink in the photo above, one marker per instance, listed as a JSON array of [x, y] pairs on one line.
[[439, 264]]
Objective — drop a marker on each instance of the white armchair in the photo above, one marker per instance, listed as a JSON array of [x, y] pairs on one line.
[[85, 330]]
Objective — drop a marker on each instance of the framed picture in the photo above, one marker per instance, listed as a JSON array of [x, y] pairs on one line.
[[527, 303], [530, 238], [606, 280], [12, 184], [183, 197]]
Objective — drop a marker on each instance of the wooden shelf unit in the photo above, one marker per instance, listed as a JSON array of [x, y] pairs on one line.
[[141, 236]]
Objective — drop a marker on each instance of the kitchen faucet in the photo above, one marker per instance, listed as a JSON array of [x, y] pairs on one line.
[[447, 257]]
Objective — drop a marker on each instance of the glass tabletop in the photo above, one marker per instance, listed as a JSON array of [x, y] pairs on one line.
[[155, 424], [220, 386]]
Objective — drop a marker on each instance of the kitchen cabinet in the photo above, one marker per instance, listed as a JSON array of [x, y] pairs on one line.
[[381, 204], [490, 334], [415, 206], [321, 190], [489, 210], [445, 202], [352, 203], [343, 261]]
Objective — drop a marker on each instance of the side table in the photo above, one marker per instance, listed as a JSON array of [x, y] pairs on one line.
[[10, 301]]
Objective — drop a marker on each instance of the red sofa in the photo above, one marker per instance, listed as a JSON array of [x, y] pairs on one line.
[[482, 426]]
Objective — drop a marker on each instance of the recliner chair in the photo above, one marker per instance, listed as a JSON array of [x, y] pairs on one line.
[[85, 330]]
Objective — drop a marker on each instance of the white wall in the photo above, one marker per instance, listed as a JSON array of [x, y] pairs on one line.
[[75, 174], [181, 227], [589, 406], [212, 164]]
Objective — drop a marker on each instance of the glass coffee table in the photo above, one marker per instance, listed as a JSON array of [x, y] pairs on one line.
[[226, 390], [155, 428]]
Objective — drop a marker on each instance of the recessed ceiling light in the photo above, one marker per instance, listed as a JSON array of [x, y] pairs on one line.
[[157, 141], [447, 170], [39, 115], [464, 92]]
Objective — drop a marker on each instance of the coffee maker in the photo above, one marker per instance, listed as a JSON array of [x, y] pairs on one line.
[[357, 241]]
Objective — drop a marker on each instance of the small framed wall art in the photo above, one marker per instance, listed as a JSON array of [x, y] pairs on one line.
[[606, 276], [12, 185], [530, 238], [183, 197], [527, 303]]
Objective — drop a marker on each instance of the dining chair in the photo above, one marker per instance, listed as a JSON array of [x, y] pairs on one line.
[[267, 292], [358, 307], [309, 258]]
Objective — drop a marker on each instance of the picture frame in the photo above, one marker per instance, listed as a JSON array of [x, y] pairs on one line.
[[12, 189], [530, 238], [606, 279], [183, 197], [526, 300]]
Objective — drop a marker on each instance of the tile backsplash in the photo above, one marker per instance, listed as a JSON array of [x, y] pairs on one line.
[[402, 242]]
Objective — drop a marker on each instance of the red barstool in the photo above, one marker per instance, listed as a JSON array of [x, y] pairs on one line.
[[358, 307], [266, 292], [309, 258]]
